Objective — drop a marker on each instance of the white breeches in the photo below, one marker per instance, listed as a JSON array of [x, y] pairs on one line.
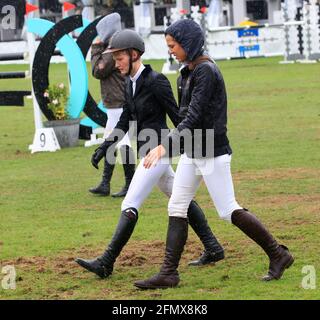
[[143, 182], [216, 173], [113, 118]]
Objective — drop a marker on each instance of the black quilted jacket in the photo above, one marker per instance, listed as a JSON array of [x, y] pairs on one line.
[[202, 95], [203, 104]]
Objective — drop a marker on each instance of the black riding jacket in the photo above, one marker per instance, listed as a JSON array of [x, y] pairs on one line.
[[152, 101], [203, 103], [202, 94]]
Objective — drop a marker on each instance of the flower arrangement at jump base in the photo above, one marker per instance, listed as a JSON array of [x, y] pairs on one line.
[[65, 127], [58, 101]]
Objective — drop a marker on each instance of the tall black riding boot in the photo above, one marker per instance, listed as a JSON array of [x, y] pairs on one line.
[[103, 265], [168, 276], [213, 250], [128, 160], [104, 187], [279, 255]]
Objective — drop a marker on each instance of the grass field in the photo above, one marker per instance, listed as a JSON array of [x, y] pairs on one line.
[[48, 217]]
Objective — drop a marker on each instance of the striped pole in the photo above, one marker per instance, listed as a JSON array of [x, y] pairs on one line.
[[12, 56], [259, 26], [14, 75]]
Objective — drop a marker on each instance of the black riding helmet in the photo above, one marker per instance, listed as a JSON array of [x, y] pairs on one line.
[[126, 40]]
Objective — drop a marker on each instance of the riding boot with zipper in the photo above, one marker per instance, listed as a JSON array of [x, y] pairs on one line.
[[279, 255], [103, 265]]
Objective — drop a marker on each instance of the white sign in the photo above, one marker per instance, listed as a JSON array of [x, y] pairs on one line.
[[45, 140]]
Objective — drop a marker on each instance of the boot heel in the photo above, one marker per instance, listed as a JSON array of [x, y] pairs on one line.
[[289, 264]]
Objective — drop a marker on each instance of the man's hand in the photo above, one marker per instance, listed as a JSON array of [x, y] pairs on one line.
[[154, 156], [97, 41], [97, 156]]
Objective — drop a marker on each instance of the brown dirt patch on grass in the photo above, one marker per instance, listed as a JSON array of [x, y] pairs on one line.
[[288, 199], [135, 254], [275, 174]]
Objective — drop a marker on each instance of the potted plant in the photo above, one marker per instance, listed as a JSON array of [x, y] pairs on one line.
[[65, 128]]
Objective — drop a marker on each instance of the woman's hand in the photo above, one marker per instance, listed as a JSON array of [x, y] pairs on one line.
[[154, 156]]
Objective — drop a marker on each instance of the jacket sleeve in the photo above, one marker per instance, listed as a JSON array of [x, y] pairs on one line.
[[162, 90], [204, 80], [102, 64]]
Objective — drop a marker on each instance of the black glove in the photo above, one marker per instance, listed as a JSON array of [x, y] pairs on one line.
[[97, 156], [101, 152]]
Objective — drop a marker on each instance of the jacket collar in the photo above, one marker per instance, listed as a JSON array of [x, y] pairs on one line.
[[185, 70], [141, 79], [138, 73], [199, 60]]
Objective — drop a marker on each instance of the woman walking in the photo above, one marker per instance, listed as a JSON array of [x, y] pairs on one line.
[[203, 105]]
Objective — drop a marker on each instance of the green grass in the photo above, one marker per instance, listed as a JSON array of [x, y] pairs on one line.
[[48, 217]]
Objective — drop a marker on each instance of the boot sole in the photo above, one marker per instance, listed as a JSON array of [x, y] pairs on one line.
[[154, 287], [211, 263], [100, 194]]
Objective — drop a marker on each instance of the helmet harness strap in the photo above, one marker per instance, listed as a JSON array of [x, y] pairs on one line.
[[131, 60]]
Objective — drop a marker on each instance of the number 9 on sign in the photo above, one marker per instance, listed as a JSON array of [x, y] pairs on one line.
[[42, 140], [45, 140]]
